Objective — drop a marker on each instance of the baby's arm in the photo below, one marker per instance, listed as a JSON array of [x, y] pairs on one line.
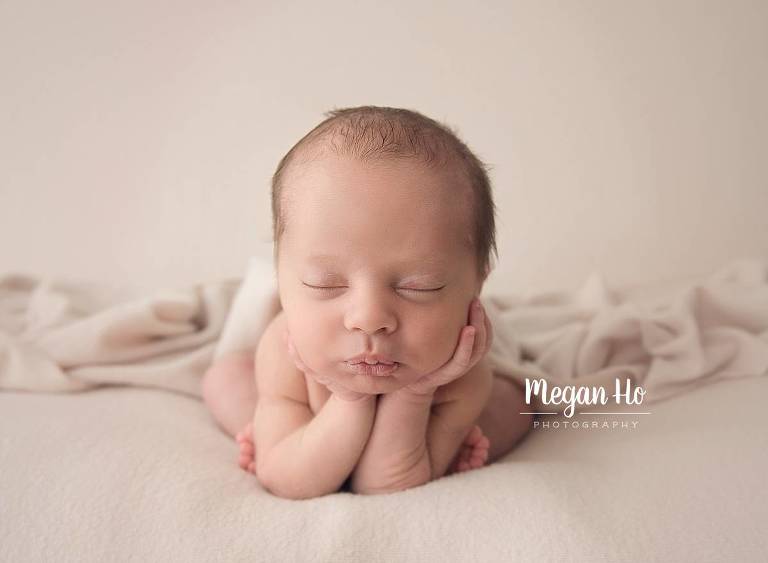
[[414, 439], [452, 418], [407, 446], [300, 455], [395, 457]]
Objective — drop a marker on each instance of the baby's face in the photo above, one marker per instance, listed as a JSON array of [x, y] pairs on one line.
[[373, 262]]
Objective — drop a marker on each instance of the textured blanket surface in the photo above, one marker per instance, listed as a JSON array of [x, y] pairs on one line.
[[131, 474]]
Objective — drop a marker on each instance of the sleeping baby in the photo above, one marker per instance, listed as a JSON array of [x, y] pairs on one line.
[[373, 377]]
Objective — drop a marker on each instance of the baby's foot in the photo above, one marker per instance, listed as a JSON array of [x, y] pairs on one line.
[[473, 453], [247, 459]]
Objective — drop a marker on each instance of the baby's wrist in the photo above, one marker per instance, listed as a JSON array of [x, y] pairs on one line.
[[360, 399], [422, 395]]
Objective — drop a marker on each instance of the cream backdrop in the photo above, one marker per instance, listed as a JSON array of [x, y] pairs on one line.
[[137, 139]]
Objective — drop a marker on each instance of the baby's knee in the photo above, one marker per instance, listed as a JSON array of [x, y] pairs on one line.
[[232, 370]]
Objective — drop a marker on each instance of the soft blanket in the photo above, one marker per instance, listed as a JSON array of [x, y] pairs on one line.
[[58, 336]]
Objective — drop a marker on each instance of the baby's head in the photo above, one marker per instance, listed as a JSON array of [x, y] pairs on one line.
[[383, 224]]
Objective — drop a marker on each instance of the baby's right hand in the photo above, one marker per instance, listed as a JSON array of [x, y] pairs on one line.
[[332, 386]]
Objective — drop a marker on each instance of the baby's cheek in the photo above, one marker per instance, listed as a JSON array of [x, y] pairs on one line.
[[310, 345], [435, 345]]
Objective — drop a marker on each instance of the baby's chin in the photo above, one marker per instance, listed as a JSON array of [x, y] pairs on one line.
[[379, 384]]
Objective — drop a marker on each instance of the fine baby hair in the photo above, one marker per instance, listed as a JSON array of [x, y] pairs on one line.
[[374, 133]]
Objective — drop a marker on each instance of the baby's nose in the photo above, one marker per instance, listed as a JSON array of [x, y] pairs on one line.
[[370, 320]]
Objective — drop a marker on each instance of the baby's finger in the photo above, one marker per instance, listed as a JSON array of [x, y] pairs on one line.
[[462, 359], [478, 321], [454, 368], [320, 379], [489, 333], [292, 352], [295, 357]]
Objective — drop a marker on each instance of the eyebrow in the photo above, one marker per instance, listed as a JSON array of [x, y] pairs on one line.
[[429, 260]]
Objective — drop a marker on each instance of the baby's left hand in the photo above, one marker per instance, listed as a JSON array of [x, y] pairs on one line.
[[470, 349]]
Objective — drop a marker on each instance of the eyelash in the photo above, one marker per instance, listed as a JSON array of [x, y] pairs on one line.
[[325, 289]]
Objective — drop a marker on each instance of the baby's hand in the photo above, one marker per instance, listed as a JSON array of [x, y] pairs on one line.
[[474, 342], [332, 386]]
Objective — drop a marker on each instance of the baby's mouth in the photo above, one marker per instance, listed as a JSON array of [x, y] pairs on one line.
[[378, 369]]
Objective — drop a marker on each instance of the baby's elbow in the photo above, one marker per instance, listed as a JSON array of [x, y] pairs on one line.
[[274, 481], [288, 493], [291, 491], [418, 475], [274, 486], [281, 483]]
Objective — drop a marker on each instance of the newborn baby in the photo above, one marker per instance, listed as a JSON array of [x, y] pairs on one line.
[[373, 377]]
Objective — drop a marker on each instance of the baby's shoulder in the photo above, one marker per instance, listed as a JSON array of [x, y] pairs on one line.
[[272, 334], [276, 373], [475, 385]]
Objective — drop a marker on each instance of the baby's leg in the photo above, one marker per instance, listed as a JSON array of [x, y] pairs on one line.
[[501, 420], [229, 391], [473, 452]]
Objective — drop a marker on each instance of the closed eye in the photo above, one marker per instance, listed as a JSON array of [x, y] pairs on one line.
[[423, 290], [323, 288]]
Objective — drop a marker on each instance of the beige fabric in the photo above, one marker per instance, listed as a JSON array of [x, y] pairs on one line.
[[61, 336], [667, 338], [135, 475]]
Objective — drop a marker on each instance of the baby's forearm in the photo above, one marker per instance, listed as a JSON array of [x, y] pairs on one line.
[[317, 458], [396, 455]]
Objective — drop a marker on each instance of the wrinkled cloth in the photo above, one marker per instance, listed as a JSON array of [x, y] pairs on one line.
[[668, 339], [58, 336]]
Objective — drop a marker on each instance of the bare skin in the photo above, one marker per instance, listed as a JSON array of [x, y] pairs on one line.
[[375, 260], [229, 390]]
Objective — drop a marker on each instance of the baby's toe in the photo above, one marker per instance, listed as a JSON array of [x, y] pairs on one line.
[[246, 434], [474, 435], [478, 458]]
